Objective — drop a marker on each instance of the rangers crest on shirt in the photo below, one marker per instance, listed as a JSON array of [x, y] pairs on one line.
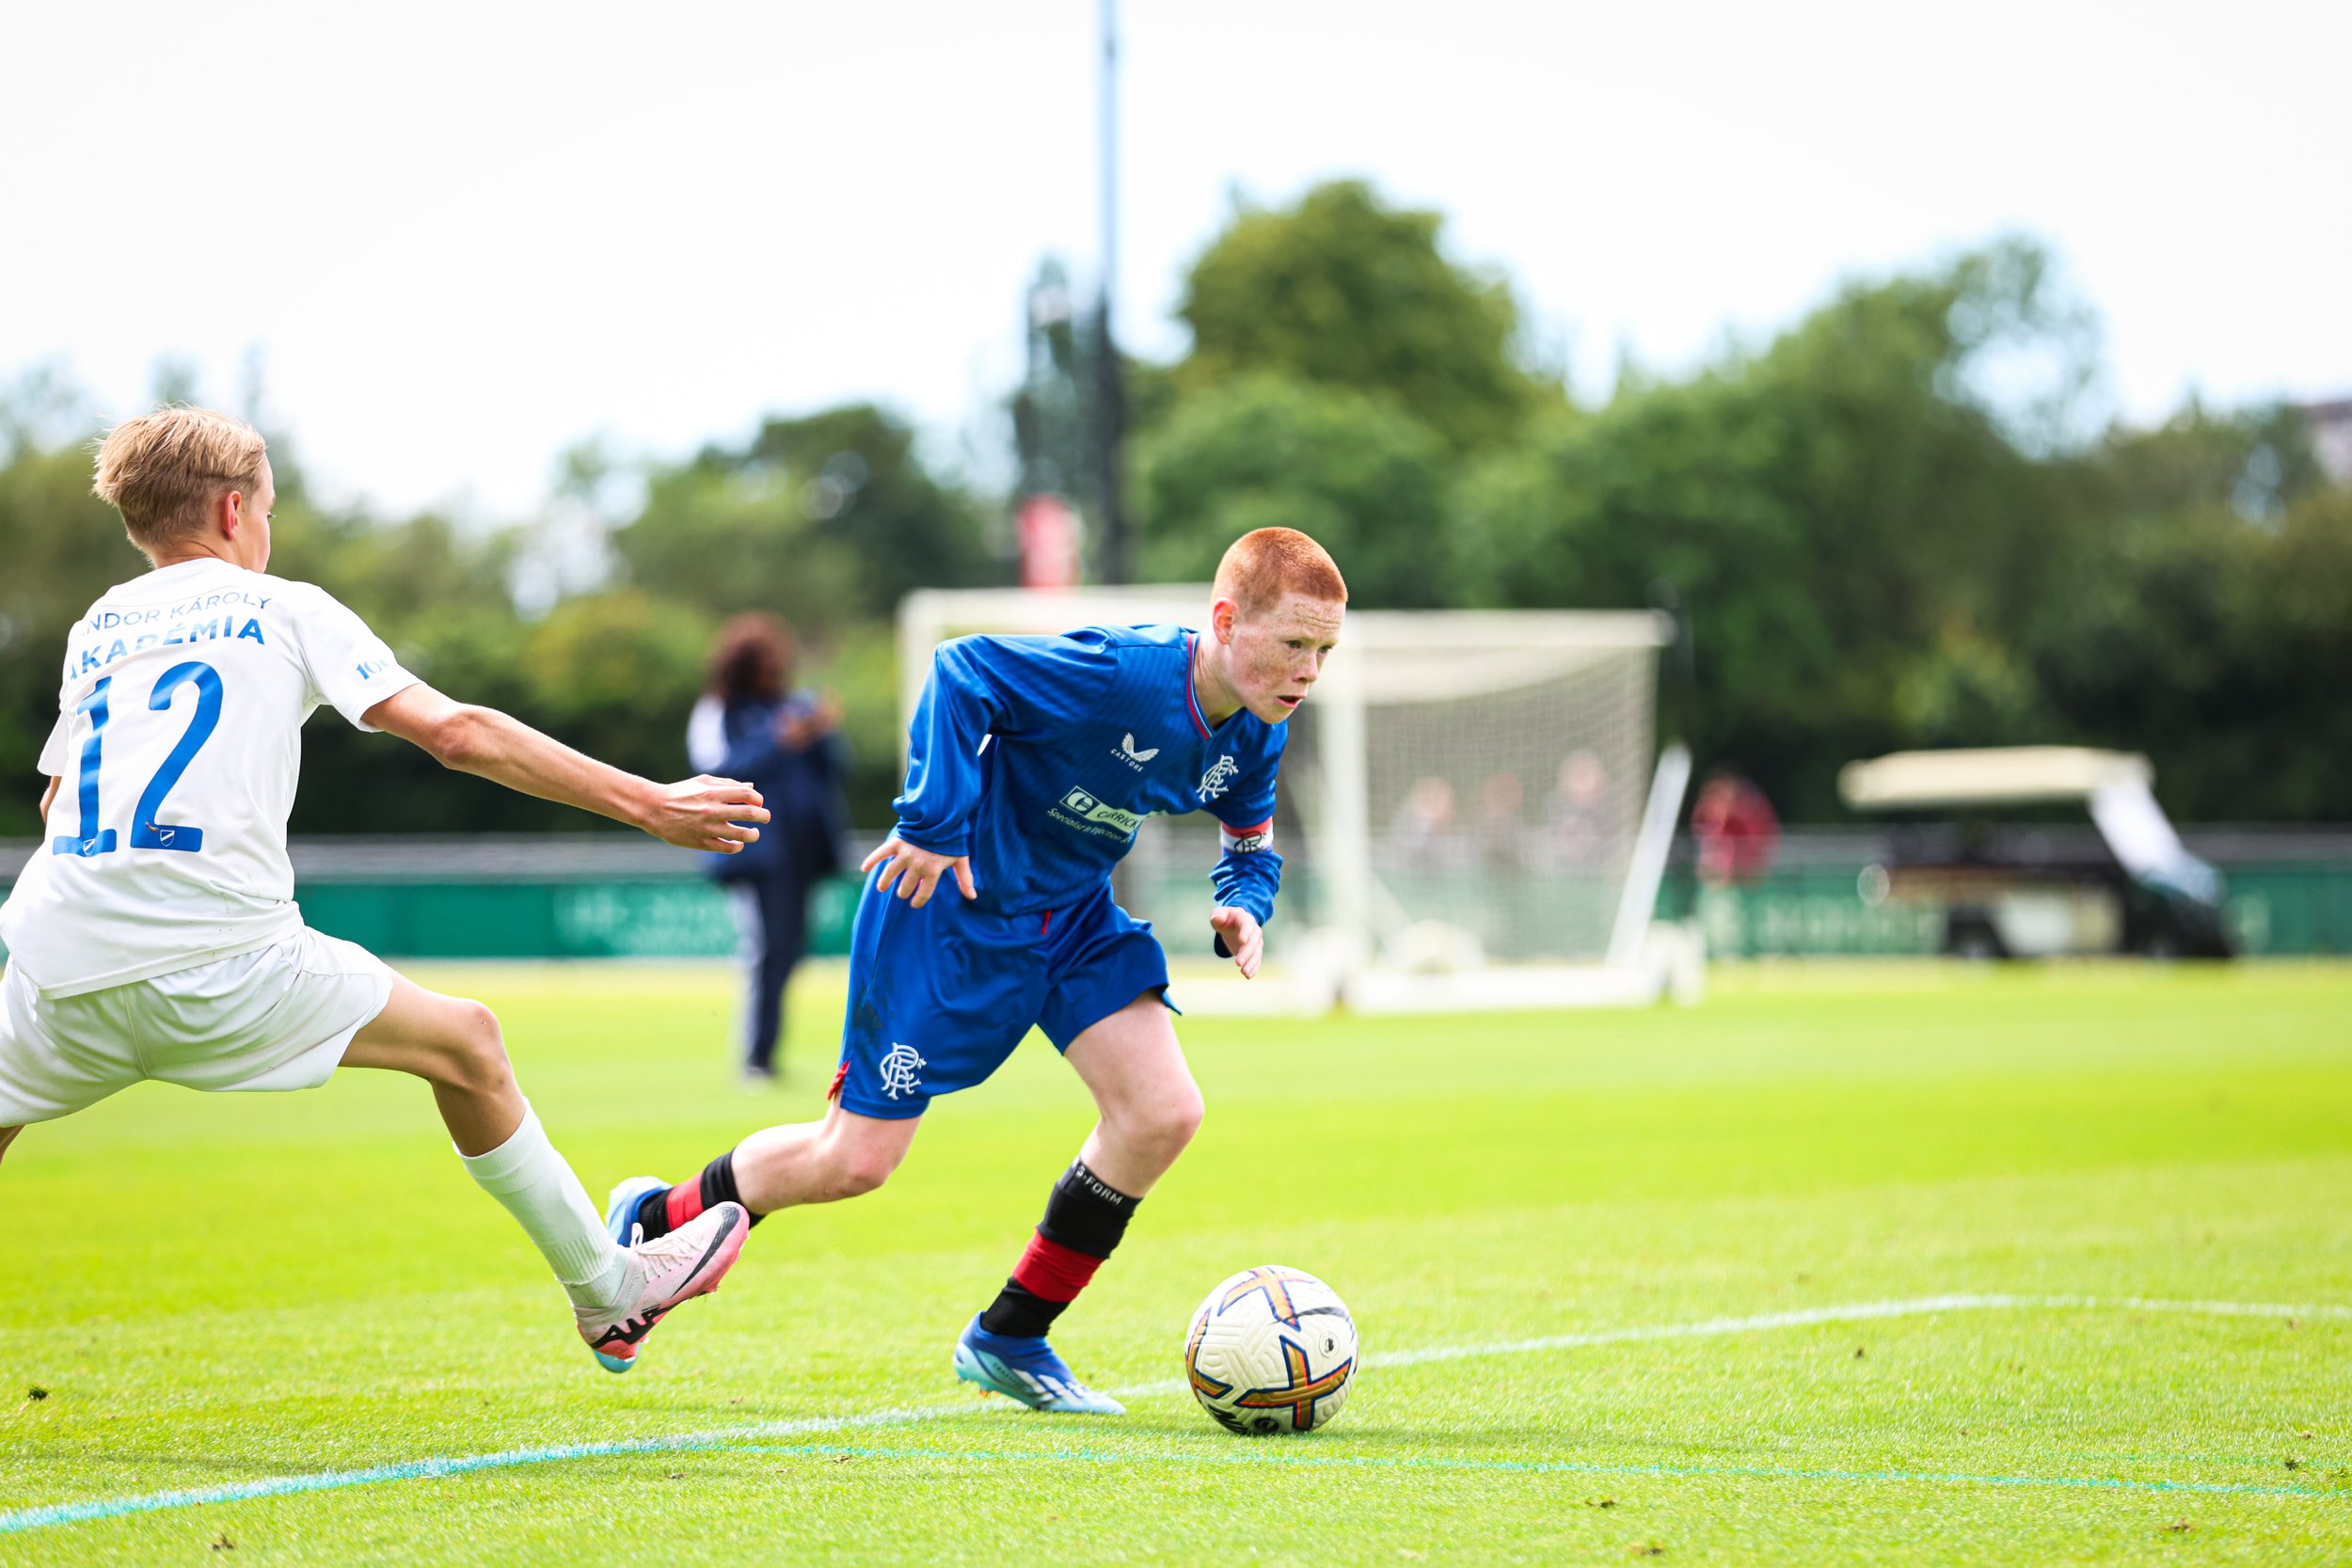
[[1218, 779]]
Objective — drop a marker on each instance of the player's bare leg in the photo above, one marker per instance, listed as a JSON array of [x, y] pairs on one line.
[[1149, 1109], [819, 1161], [455, 1045], [777, 1168], [617, 1295], [1143, 1089]]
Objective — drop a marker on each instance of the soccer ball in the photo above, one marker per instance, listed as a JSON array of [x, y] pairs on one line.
[[1272, 1350]]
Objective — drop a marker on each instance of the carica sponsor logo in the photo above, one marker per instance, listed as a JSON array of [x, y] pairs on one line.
[[1083, 811]]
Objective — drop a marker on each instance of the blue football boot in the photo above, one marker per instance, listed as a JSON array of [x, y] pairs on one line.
[[1027, 1368], [620, 1206]]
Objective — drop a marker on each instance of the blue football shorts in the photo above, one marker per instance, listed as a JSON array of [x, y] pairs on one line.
[[941, 995]]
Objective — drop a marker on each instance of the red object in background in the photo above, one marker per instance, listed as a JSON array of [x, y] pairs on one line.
[[1049, 543], [1738, 830]]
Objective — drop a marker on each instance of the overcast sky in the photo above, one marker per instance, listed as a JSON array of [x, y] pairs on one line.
[[460, 237]]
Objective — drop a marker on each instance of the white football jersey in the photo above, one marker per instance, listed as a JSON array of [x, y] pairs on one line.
[[179, 739]]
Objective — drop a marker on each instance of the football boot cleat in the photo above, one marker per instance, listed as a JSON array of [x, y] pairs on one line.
[[620, 1206], [1028, 1370], [662, 1273]]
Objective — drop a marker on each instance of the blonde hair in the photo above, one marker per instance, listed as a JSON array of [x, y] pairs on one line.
[[161, 469], [1266, 564]]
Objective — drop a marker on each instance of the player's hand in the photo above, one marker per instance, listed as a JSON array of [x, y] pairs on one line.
[[916, 871], [704, 813], [1241, 936], [799, 728]]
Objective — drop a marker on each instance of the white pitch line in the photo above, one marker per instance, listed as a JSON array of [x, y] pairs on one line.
[[1855, 1312], [721, 1437]]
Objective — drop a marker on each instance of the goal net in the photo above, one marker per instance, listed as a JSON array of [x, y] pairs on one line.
[[1473, 812]]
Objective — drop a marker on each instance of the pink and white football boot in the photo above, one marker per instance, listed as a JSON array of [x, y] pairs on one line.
[[663, 1271]]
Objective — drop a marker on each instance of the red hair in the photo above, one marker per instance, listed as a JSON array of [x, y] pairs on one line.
[[1266, 564]]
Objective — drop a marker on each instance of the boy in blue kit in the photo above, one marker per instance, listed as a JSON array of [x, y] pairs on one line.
[[1033, 761]]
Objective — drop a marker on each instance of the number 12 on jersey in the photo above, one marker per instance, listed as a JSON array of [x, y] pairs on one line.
[[146, 831]]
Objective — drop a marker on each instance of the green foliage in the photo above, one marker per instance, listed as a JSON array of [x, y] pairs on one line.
[[734, 538], [1346, 292], [1850, 535], [860, 665], [63, 548], [2230, 639], [824, 520], [615, 671], [1892, 524], [1360, 475]]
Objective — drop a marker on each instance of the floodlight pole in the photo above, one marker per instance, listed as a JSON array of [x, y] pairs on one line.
[[1110, 411]]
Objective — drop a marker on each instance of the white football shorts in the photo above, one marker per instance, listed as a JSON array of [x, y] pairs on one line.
[[277, 1018]]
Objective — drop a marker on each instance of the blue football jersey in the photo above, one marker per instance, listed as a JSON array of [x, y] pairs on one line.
[[1040, 756]]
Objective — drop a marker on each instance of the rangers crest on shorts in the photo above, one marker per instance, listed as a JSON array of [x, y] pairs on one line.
[[897, 1069]]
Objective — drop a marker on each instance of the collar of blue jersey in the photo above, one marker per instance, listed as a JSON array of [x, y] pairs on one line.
[[1192, 683]]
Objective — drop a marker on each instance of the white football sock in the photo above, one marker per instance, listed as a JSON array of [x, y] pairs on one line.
[[537, 1187]]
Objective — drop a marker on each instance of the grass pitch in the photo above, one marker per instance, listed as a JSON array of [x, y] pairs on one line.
[[1894, 1265]]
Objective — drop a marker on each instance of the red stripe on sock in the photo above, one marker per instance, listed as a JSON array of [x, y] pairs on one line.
[[1052, 1272], [684, 1203]]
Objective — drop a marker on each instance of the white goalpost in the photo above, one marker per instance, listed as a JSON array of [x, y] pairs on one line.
[[1473, 813]]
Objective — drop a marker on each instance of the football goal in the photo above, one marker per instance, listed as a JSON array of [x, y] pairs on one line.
[[1474, 811]]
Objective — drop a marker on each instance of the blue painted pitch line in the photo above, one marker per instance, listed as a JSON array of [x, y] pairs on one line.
[[1540, 1466], [427, 1469]]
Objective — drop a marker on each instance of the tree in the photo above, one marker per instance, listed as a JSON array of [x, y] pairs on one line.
[[824, 519], [1343, 290], [1847, 516], [2214, 630], [1360, 475], [64, 547], [615, 673]]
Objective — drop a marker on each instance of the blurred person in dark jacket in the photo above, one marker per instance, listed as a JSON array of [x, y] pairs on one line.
[[749, 723]]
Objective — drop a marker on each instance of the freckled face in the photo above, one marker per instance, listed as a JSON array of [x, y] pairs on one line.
[[1277, 654]]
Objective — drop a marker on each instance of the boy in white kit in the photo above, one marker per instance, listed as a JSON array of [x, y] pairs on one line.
[[154, 933]]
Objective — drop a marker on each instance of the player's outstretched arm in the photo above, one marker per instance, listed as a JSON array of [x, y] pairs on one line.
[[701, 813]]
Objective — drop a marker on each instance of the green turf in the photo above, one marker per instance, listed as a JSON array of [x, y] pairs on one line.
[[228, 1290]]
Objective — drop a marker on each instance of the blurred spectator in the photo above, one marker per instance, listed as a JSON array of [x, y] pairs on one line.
[[751, 725], [1579, 827], [1736, 829], [1502, 836], [1424, 833]]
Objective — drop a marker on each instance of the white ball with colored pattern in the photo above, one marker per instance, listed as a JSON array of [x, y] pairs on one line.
[[1271, 1351]]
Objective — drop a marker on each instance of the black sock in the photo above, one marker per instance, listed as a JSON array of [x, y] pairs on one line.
[[715, 1186], [1084, 1218]]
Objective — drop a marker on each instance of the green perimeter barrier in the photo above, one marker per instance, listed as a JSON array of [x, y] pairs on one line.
[[679, 918], [1818, 910], [1815, 910], [597, 897]]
